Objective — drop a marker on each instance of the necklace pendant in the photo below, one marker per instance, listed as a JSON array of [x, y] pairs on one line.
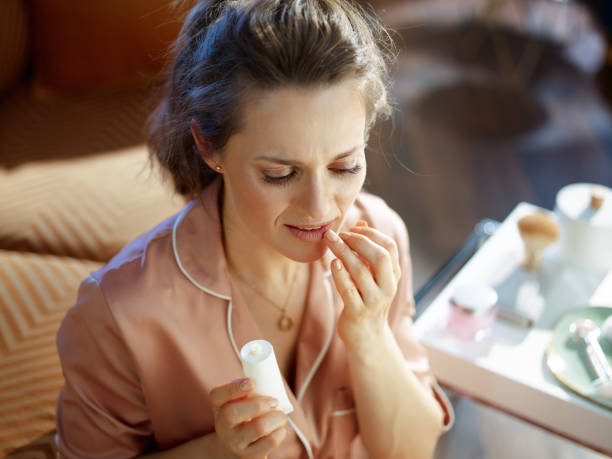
[[285, 323]]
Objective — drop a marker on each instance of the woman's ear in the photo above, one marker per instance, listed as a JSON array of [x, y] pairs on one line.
[[203, 146]]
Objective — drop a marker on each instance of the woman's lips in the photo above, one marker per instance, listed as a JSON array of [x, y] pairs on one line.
[[309, 236]]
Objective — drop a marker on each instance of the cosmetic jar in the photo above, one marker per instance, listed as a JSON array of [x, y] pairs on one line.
[[472, 311], [585, 213]]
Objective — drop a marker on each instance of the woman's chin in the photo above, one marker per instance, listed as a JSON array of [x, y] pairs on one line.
[[312, 252]]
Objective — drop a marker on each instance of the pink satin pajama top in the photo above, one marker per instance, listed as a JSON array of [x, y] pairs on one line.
[[161, 324]]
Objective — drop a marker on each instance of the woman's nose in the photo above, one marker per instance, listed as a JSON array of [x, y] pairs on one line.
[[314, 199]]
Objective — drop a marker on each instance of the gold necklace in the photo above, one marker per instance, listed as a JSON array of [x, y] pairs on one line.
[[285, 322]]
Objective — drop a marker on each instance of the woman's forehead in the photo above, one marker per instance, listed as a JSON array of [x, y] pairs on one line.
[[292, 121], [258, 102]]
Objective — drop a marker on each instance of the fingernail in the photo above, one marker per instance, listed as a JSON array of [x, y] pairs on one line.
[[337, 264], [331, 236], [361, 223], [273, 403], [245, 385]]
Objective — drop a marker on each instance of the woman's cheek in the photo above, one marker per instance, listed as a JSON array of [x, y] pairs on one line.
[[356, 186], [347, 193], [253, 200]]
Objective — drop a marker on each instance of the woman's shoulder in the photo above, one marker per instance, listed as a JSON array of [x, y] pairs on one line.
[[378, 214], [141, 268], [138, 252], [121, 279]]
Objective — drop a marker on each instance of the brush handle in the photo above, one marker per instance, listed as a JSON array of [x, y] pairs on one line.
[[597, 358]]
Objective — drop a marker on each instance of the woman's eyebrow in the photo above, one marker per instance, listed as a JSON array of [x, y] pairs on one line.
[[298, 163]]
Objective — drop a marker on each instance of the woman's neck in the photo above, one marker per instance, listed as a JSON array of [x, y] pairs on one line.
[[266, 270]]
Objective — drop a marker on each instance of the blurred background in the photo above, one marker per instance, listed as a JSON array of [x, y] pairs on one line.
[[496, 102]]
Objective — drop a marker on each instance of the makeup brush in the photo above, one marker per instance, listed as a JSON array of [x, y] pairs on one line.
[[538, 231]]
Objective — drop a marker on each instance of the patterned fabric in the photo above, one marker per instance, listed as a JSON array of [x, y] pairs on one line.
[[35, 292], [13, 41], [84, 208]]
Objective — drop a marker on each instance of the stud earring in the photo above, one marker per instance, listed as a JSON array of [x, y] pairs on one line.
[[218, 168]]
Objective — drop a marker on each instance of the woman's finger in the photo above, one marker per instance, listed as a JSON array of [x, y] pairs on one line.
[[382, 239], [267, 444], [359, 272], [258, 428], [363, 223], [377, 256], [240, 411], [346, 287], [235, 390]]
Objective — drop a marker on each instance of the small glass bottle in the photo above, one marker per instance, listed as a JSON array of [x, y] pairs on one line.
[[472, 311]]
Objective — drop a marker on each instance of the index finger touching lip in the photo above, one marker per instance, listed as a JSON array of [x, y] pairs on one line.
[[237, 389]]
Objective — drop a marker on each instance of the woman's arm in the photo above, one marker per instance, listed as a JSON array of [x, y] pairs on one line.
[[206, 446], [398, 417]]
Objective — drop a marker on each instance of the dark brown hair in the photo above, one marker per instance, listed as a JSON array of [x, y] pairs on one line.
[[227, 48]]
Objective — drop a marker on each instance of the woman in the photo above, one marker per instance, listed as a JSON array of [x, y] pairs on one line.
[[264, 124]]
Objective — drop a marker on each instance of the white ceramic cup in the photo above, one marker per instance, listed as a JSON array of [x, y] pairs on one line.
[[586, 232]]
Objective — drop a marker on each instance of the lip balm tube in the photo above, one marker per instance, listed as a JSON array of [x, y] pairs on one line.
[[259, 364]]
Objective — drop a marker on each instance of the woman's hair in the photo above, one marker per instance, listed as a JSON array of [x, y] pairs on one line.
[[227, 49]]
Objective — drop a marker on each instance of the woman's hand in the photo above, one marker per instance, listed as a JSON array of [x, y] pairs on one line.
[[247, 425], [366, 274]]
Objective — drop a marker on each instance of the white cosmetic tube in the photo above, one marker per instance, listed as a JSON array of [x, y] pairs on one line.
[[259, 364]]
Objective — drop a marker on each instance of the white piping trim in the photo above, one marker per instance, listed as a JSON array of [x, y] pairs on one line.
[[180, 264], [298, 432], [343, 412], [302, 438], [229, 329], [447, 404], [321, 355]]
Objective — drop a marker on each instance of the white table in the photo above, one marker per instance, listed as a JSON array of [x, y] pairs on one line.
[[508, 369]]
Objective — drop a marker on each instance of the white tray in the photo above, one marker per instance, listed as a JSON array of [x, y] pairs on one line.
[[508, 369]]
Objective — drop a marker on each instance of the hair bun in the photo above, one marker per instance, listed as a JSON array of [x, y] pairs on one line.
[[201, 16]]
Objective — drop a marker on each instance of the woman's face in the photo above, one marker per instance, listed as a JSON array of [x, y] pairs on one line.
[[297, 163]]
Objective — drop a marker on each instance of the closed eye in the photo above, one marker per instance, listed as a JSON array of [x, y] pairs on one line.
[[288, 177], [352, 170], [281, 179]]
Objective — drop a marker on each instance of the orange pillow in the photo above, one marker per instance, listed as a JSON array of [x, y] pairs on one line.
[[101, 45], [87, 208]]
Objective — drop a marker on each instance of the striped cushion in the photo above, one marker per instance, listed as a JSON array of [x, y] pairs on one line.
[[83, 208], [35, 292], [13, 41]]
